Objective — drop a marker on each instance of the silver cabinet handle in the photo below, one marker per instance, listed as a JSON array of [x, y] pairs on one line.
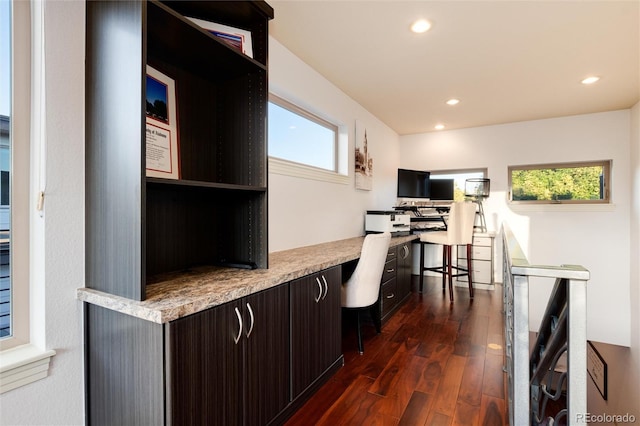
[[390, 270], [252, 320], [405, 251], [391, 296], [326, 287], [317, 299], [237, 338]]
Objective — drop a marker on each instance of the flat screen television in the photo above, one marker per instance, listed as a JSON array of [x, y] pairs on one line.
[[441, 189], [413, 183]]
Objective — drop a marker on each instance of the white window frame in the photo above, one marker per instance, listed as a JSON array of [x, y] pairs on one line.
[[22, 361], [291, 168]]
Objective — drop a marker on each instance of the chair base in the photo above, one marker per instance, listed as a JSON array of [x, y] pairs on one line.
[[374, 310], [447, 269]]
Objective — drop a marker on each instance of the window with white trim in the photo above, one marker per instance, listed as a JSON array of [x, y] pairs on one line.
[[5, 170], [300, 136], [21, 361], [561, 183], [303, 144]]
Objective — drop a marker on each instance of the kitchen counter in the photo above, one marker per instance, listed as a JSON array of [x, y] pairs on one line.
[[175, 295]]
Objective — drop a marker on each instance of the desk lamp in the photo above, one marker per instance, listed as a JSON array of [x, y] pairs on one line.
[[477, 189]]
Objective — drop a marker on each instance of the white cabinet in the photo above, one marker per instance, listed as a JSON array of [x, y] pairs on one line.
[[481, 261]]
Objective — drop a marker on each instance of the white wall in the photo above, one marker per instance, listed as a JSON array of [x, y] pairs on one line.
[[302, 211], [623, 363], [58, 268], [595, 237]]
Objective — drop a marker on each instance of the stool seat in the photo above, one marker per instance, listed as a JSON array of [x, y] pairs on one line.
[[435, 237], [459, 233]]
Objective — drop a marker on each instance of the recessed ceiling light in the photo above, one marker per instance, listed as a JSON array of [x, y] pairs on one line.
[[453, 101], [420, 26], [590, 80], [439, 126]]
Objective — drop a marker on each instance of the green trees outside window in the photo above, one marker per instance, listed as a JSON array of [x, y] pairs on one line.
[[553, 183]]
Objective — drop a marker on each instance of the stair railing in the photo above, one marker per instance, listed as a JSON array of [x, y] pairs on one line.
[[535, 374]]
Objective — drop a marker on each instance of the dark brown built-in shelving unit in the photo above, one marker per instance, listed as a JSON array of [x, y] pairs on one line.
[[138, 227]]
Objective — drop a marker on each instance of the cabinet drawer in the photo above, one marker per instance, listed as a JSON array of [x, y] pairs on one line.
[[389, 270], [481, 272], [391, 254], [482, 241], [388, 297], [477, 253]]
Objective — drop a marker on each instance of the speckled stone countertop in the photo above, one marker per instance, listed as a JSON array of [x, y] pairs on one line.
[[185, 293]]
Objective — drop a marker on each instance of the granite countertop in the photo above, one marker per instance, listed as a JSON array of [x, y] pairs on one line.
[[180, 294]]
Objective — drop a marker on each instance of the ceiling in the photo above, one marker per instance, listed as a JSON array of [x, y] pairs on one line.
[[506, 61]]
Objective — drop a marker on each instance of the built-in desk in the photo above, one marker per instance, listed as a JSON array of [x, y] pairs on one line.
[[215, 345]]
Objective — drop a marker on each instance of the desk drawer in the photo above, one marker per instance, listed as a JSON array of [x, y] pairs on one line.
[[391, 254], [389, 270], [481, 272], [388, 298], [477, 252], [482, 241]]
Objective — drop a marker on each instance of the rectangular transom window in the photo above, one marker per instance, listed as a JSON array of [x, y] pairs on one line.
[[459, 179], [301, 137], [577, 183]]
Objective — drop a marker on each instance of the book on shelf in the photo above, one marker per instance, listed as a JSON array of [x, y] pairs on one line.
[[237, 38]]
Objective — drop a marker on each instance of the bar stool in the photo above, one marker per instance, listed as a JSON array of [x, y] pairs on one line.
[[459, 232]]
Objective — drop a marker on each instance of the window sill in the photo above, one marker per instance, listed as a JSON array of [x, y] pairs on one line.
[[288, 168], [22, 365], [599, 207]]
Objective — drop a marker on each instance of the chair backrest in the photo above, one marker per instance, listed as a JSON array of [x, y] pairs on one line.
[[363, 286], [462, 217]]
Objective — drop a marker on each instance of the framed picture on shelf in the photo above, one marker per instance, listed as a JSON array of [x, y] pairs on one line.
[[162, 126], [234, 37]]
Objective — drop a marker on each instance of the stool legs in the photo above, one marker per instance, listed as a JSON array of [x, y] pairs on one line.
[[449, 271], [469, 271]]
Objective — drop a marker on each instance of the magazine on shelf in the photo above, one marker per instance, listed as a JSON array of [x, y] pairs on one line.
[[234, 37]]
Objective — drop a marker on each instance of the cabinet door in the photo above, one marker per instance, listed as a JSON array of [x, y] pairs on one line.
[[267, 351], [315, 326], [204, 368], [403, 277], [330, 318]]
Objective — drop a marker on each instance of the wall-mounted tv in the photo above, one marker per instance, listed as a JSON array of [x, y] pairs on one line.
[[413, 183], [441, 189]]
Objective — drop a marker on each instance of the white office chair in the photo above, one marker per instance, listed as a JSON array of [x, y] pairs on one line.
[[459, 232], [362, 289]]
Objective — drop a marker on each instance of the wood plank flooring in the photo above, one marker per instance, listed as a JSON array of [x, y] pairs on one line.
[[435, 363]]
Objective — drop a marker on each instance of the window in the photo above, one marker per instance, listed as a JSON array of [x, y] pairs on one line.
[[459, 178], [571, 183], [21, 360], [5, 169], [302, 139]]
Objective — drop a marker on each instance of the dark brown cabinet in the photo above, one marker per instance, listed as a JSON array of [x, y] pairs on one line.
[[138, 227], [315, 327], [396, 280], [229, 365]]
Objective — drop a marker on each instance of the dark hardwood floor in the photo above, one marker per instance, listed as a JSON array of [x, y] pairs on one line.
[[435, 363]]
